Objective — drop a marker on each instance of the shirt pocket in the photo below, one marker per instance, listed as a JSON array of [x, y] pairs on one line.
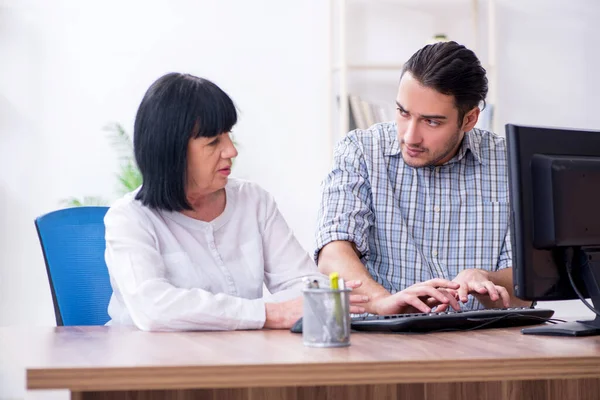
[[478, 230], [181, 272]]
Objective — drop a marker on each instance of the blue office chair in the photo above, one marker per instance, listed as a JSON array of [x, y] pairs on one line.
[[73, 244]]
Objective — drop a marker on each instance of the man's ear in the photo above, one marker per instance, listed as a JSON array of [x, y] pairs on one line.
[[470, 119]]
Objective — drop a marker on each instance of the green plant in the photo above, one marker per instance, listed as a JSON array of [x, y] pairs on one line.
[[129, 175], [128, 178]]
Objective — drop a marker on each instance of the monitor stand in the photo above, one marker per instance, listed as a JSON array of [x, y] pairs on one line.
[[590, 271]]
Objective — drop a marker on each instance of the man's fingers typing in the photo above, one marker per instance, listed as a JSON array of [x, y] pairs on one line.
[[441, 308], [358, 298], [353, 284], [452, 302], [440, 283], [439, 295], [491, 290], [463, 292], [418, 304], [357, 309], [504, 295]]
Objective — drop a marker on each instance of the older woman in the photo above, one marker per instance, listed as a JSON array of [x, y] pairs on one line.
[[191, 248]]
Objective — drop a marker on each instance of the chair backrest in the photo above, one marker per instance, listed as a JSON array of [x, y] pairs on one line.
[[73, 244]]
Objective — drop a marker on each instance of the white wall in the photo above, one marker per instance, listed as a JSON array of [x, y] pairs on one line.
[[548, 63], [547, 66], [68, 67]]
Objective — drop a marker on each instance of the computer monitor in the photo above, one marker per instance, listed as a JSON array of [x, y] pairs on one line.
[[554, 186]]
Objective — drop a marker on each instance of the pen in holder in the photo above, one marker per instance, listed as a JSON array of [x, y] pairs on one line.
[[326, 319]]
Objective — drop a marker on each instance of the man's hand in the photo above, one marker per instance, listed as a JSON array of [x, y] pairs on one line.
[[357, 301], [477, 282], [419, 298], [283, 315], [342, 257]]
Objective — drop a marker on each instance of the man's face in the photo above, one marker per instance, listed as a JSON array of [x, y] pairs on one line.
[[428, 128]]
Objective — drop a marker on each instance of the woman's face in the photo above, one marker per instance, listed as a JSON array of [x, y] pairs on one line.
[[209, 164]]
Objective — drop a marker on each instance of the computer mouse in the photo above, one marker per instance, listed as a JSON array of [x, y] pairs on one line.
[[297, 327]]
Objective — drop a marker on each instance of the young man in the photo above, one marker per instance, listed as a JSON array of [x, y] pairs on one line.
[[425, 197]]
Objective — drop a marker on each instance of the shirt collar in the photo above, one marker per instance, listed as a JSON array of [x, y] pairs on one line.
[[393, 149], [470, 143]]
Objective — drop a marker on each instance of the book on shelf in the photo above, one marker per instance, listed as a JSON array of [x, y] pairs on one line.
[[355, 112], [352, 121], [363, 113]]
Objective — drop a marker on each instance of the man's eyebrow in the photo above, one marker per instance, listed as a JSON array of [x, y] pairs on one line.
[[434, 117], [424, 116]]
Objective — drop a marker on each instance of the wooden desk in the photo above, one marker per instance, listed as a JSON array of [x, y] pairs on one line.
[[118, 363]]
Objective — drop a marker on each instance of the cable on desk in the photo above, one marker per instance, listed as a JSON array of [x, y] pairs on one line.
[[569, 257]]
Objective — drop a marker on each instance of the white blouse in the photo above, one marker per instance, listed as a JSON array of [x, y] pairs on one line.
[[171, 272]]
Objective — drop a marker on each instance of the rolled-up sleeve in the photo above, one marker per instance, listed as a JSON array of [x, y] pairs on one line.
[[346, 204]]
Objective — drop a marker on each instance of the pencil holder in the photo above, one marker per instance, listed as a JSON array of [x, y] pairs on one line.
[[326, 319]]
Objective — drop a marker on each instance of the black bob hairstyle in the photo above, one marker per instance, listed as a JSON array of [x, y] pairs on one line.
[[176, 108]]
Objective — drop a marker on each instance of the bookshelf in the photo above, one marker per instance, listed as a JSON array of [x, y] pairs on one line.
[[352, 70]]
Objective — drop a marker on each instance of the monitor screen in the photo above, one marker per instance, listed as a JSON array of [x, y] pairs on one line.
[[554, 186]]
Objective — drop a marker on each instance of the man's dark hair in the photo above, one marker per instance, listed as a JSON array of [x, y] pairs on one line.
[[176, 108], [451, 69]]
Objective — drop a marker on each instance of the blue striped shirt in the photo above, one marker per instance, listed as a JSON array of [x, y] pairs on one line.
[[413, 224]]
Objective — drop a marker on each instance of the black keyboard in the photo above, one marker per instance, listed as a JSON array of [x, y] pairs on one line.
[[452, 320]]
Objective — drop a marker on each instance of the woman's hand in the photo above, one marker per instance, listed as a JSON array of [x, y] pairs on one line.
[[283, 315]]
